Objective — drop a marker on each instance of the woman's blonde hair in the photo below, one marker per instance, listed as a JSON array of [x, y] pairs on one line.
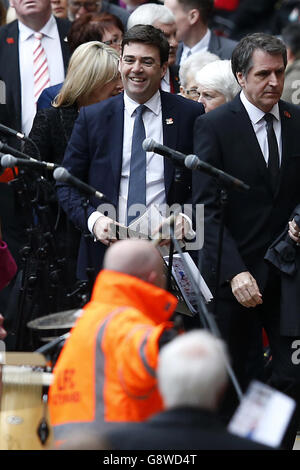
[[92, 64]]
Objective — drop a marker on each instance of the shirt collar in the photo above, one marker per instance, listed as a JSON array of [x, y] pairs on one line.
[[202, 44], [166, 77], [255, 113], [154, 104], [49, 29]]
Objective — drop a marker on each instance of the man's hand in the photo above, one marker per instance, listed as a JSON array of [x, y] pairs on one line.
[[3, 333], [103, 230], [245, 290], [294, 231], [181, 228]]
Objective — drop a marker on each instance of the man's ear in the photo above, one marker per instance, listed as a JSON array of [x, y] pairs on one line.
[[241, 79], [152, 277], [193, 16]]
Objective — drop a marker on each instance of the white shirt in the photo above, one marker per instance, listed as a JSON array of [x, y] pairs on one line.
[[165, 82], [155, 185], [259, 124], [202, 45], [52, 47]]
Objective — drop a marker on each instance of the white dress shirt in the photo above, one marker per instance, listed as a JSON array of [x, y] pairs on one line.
[[259, 124], [202, 45], [52, 47], [165, 82]]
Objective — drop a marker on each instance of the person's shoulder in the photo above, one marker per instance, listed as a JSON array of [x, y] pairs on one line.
[[227, 41], [289, 109], [64, 22], [110, 105], [8, 28], [115, 10], [181, 101]]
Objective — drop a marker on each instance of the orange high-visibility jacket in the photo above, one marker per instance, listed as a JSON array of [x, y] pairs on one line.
[[106, 370]]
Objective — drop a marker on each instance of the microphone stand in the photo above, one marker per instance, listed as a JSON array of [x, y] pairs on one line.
[[90, 271], [43, 280], [223, 204], [206, 318]]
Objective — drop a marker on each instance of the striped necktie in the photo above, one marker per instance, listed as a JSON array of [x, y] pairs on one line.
[[40, 67]]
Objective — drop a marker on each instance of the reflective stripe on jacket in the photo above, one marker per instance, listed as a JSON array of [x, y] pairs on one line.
[[106, 370]]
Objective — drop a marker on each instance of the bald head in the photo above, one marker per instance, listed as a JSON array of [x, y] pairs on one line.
[[137, 258]]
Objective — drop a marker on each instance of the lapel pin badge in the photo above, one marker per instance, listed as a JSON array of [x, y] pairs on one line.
[[10, 40], [169, 121], [287, 114]]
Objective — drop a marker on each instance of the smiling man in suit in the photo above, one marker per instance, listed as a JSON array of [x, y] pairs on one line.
[[18, 45], [253, 138], [103, 148]]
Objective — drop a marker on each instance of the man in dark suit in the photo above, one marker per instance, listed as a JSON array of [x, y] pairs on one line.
[[99, 151], [192, 17], [34, 17], [254, 139], [192, 377]]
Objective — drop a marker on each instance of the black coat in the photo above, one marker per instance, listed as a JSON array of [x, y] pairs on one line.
[[254, 219], [179, 429]]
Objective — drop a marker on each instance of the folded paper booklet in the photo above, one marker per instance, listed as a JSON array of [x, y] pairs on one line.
[[263, 415], [147, 227], [185, 284]]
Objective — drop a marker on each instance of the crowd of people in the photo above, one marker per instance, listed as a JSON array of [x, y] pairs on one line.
[[83, 86]]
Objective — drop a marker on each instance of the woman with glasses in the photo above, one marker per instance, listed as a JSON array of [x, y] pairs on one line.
[[112, 30], [188, 70], [92, 76]]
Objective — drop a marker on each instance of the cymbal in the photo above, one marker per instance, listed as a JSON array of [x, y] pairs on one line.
[[54, 321]]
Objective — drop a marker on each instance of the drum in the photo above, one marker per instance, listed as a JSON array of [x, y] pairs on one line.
[[24, 420]]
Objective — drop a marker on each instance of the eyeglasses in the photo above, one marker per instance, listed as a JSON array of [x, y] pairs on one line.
[[89, 6], [194, 93]]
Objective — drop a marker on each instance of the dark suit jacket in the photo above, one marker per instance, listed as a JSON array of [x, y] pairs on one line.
[[179, 429], [47, 96], [9, 65], [94, 155], [218, 45], [225, 138]]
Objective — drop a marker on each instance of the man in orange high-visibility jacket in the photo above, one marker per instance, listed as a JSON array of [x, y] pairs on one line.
[[106, 371]]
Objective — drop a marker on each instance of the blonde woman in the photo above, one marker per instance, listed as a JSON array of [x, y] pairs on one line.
[[92, 76]]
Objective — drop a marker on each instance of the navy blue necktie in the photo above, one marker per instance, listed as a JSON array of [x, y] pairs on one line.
[[137, 175], [273, 161]]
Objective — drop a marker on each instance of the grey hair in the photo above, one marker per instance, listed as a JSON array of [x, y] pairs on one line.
[[193, 64], [192, 370], [149, 13], [218, 76]]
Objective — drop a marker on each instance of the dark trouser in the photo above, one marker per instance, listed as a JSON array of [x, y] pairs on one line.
[[241, 328]]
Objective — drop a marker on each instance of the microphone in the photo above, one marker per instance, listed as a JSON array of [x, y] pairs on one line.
[[192, 162], [62, 175], [8, 131], [149, 145], [8, 161], [4, 148]]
